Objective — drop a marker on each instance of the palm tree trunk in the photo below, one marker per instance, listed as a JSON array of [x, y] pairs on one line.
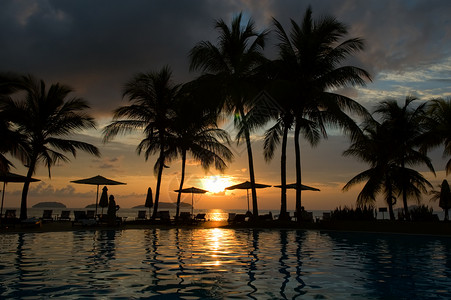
[[26, 186], [283, 176], [179, 195], [297, 149], [157, 192], [251, 164], [404, 193], [390, 208]]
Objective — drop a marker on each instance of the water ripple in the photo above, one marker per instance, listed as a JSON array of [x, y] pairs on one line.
[[224, 263]]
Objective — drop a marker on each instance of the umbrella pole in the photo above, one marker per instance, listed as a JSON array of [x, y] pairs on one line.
[[247, 190], [192, 204], [3, 197], [97, 198]]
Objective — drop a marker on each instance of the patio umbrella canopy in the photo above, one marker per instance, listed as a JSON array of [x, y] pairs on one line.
[[103, 202], [192, 190], [97, 180], [246, 186], [11, 177], [303, 187]]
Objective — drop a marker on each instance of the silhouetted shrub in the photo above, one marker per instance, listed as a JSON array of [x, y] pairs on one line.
[[365, 213], [422, 213]]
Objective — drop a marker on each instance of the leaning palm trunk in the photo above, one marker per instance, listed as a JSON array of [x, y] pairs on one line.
[[26, 186], [251, 165], [157, 192], [297, 149], [179, 195], [283, 176]]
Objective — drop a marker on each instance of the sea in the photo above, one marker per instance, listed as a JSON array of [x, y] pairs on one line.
[[211, 214]]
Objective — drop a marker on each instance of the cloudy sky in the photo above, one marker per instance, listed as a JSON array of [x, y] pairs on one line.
[[96, 46]]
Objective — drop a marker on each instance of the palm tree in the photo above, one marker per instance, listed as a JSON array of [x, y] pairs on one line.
[[438, 127], [194, 130], [310, 58], [13, 142], [45, 116], [376, 147], [406, 126], [229, 70], [444, 197], [152, 97]]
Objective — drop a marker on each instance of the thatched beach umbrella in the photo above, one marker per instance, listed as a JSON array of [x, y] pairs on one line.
[[97, 180], [11, 177], [192, 190], [246, 186]]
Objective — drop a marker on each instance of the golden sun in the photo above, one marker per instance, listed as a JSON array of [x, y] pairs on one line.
[[216, 183]]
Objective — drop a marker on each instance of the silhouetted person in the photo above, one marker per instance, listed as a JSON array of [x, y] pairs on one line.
[[112, 208]]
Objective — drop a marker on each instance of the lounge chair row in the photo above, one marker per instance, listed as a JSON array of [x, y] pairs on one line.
[[47, 215], [165, 217]]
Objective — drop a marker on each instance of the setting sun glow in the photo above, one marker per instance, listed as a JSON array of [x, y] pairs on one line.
[[217, 183]]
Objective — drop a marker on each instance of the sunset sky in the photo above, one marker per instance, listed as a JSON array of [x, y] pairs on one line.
[[97, 46]]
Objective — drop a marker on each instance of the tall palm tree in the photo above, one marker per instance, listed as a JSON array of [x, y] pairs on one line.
[[377, 148], [438, 127], [310, 59], [229, 70], [194, 131], [152, 96], [444, 197], [45, 116], [406, 126]]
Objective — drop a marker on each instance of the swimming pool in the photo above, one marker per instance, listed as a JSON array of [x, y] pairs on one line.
[[224, 263]]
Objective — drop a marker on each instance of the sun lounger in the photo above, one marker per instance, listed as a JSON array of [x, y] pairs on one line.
[[239, 218], [91, 214], [10, 217], [47, 215], [10, 214], [142, 215], [200, 217], [185, 218], [163, 217], [65, 216], [81, 218], [231, 218]]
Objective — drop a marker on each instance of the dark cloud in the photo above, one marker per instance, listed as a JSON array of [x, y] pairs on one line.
[[96, 46]]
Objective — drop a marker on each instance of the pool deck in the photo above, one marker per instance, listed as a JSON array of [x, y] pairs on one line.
[[403, 227]]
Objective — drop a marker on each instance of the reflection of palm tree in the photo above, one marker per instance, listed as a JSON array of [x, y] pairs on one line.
[[283, 266], [253, 263], [309, 65], [195, 131], [299, 239], [44, 116], [152, 96], [229, 69]]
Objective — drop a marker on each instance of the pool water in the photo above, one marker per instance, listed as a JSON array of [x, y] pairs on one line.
[[224, 264]]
